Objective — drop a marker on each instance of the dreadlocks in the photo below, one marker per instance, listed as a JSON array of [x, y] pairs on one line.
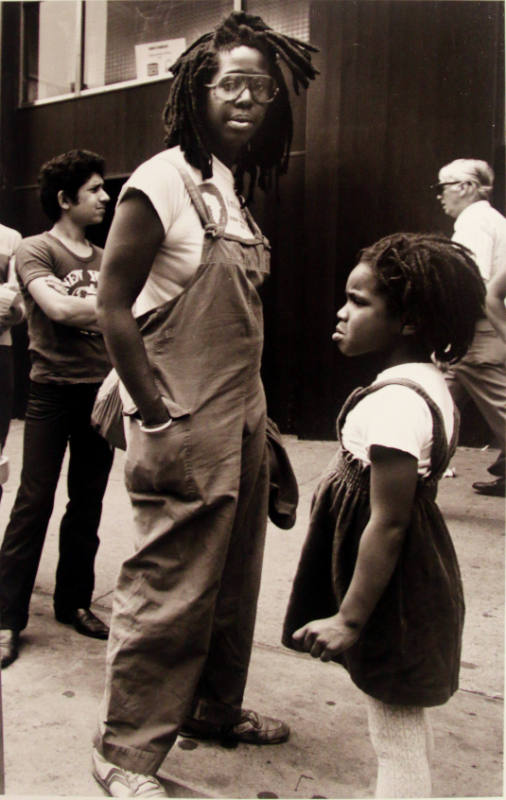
[[434, 284], [269, 150]]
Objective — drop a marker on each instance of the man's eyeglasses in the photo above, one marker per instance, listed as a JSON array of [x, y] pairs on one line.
[[439, 187], [263, 88]]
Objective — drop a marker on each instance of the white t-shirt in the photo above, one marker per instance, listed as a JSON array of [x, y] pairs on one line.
[[482, 229], [180, 252], [397, 417]]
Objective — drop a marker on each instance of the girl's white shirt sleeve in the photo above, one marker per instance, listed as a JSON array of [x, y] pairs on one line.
[[395, 417]]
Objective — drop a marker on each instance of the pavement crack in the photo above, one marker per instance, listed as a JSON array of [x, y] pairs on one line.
[[493, 697]]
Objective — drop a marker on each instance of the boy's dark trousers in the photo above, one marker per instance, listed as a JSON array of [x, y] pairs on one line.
[[56, 415]]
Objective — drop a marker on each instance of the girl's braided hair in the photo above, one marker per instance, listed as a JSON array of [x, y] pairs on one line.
[[434, 285], [269, 150]]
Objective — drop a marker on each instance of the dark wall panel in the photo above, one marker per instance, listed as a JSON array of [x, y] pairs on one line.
[[405, 86], [280, 214], [125, 126], [9, 72], [282, 297]]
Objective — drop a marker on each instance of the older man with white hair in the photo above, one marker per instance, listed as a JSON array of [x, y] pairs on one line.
[[464, 188]]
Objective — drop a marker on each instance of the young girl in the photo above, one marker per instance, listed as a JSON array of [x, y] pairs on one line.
[[378, 587], [187, 252]]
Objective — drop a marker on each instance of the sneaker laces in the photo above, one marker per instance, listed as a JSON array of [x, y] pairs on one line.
[[148, 783], [135, 783], [248, 717]]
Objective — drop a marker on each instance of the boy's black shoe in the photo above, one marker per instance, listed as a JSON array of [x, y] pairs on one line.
[[85, 622], [9, 643]]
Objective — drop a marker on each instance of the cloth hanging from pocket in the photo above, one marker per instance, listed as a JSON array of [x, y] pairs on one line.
[[107, 412], [283, 491]]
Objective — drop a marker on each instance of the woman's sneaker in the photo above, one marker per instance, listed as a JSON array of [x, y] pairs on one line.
[[119, 782]]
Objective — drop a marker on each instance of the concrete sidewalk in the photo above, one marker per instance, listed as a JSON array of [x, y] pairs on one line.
[[51, 694]]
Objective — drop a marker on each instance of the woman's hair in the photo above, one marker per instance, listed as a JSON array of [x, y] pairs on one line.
[[434, 285], [268, 151], [66, 172]]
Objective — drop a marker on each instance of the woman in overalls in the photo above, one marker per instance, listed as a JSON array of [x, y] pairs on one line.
[[184, 251]]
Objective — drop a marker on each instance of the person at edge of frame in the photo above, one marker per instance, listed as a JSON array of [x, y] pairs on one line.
[[12, 312], [463, 189]]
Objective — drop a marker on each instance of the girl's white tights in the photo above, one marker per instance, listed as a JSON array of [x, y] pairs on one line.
[[403, 741]]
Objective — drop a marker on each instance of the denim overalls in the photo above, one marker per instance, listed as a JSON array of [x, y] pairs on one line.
[[185, 603]]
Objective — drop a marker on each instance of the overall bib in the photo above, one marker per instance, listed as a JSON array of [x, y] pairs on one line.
[[185, 603]]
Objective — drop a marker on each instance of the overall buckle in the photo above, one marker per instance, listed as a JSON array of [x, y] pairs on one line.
[[211, 230]]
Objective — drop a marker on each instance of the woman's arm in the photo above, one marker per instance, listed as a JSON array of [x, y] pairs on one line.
[[494, 301], [392, 491], [135, 236]]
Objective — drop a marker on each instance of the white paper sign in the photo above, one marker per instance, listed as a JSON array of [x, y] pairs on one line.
[[153, 60]]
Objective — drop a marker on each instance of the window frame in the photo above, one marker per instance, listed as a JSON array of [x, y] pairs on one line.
[[78, 65], [79, 91]]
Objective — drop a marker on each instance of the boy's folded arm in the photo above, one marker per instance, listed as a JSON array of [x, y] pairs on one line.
[[47, 291]]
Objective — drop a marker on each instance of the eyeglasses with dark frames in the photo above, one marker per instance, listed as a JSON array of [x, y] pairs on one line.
[[438, 187], [263, 88]]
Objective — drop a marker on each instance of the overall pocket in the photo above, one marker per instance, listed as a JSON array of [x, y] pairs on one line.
[[159, 462]]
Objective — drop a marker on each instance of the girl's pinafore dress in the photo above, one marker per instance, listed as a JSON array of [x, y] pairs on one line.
[[409, 650]]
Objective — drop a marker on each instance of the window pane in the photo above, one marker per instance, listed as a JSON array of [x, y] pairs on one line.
[[50, 48], [113, 29], [290, 17]]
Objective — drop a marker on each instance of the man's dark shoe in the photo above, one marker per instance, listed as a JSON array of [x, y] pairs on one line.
[[493, 488], [9, 644], [85, 622], [252, 728], [498, 467]]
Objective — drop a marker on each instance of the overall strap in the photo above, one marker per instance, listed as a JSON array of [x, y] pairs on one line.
[[198, 201], [211, 228], [151, 319], [442, 450], [251, 222], [213, 231]]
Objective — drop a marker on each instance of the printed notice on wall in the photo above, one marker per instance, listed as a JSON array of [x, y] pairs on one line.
[[153, 60]]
